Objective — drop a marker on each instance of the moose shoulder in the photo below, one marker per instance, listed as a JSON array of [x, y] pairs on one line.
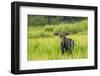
[[66, 43]]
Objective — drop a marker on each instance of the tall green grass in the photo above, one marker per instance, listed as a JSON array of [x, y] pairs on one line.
[[49, 48], [43, 45]]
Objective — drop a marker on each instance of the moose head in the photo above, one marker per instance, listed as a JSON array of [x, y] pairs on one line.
[[61, 34], [66, 43]]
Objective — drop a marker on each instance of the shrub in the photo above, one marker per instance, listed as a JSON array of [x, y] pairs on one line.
[[72, 28], [49, 28]]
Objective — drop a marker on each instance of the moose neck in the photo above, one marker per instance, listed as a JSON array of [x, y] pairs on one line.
[[63, 38]]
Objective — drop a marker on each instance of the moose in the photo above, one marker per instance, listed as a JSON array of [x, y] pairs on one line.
[[66, 43]]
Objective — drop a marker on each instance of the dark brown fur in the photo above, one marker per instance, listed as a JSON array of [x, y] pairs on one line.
[[66, 43]]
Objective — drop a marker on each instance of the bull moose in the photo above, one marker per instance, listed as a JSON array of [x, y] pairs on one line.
[[66, 43]]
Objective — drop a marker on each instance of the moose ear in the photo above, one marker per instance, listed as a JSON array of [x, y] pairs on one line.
[[56, 33], [66, 33]]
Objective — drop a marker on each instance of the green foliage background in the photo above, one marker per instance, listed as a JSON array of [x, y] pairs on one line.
[[43, 45]]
